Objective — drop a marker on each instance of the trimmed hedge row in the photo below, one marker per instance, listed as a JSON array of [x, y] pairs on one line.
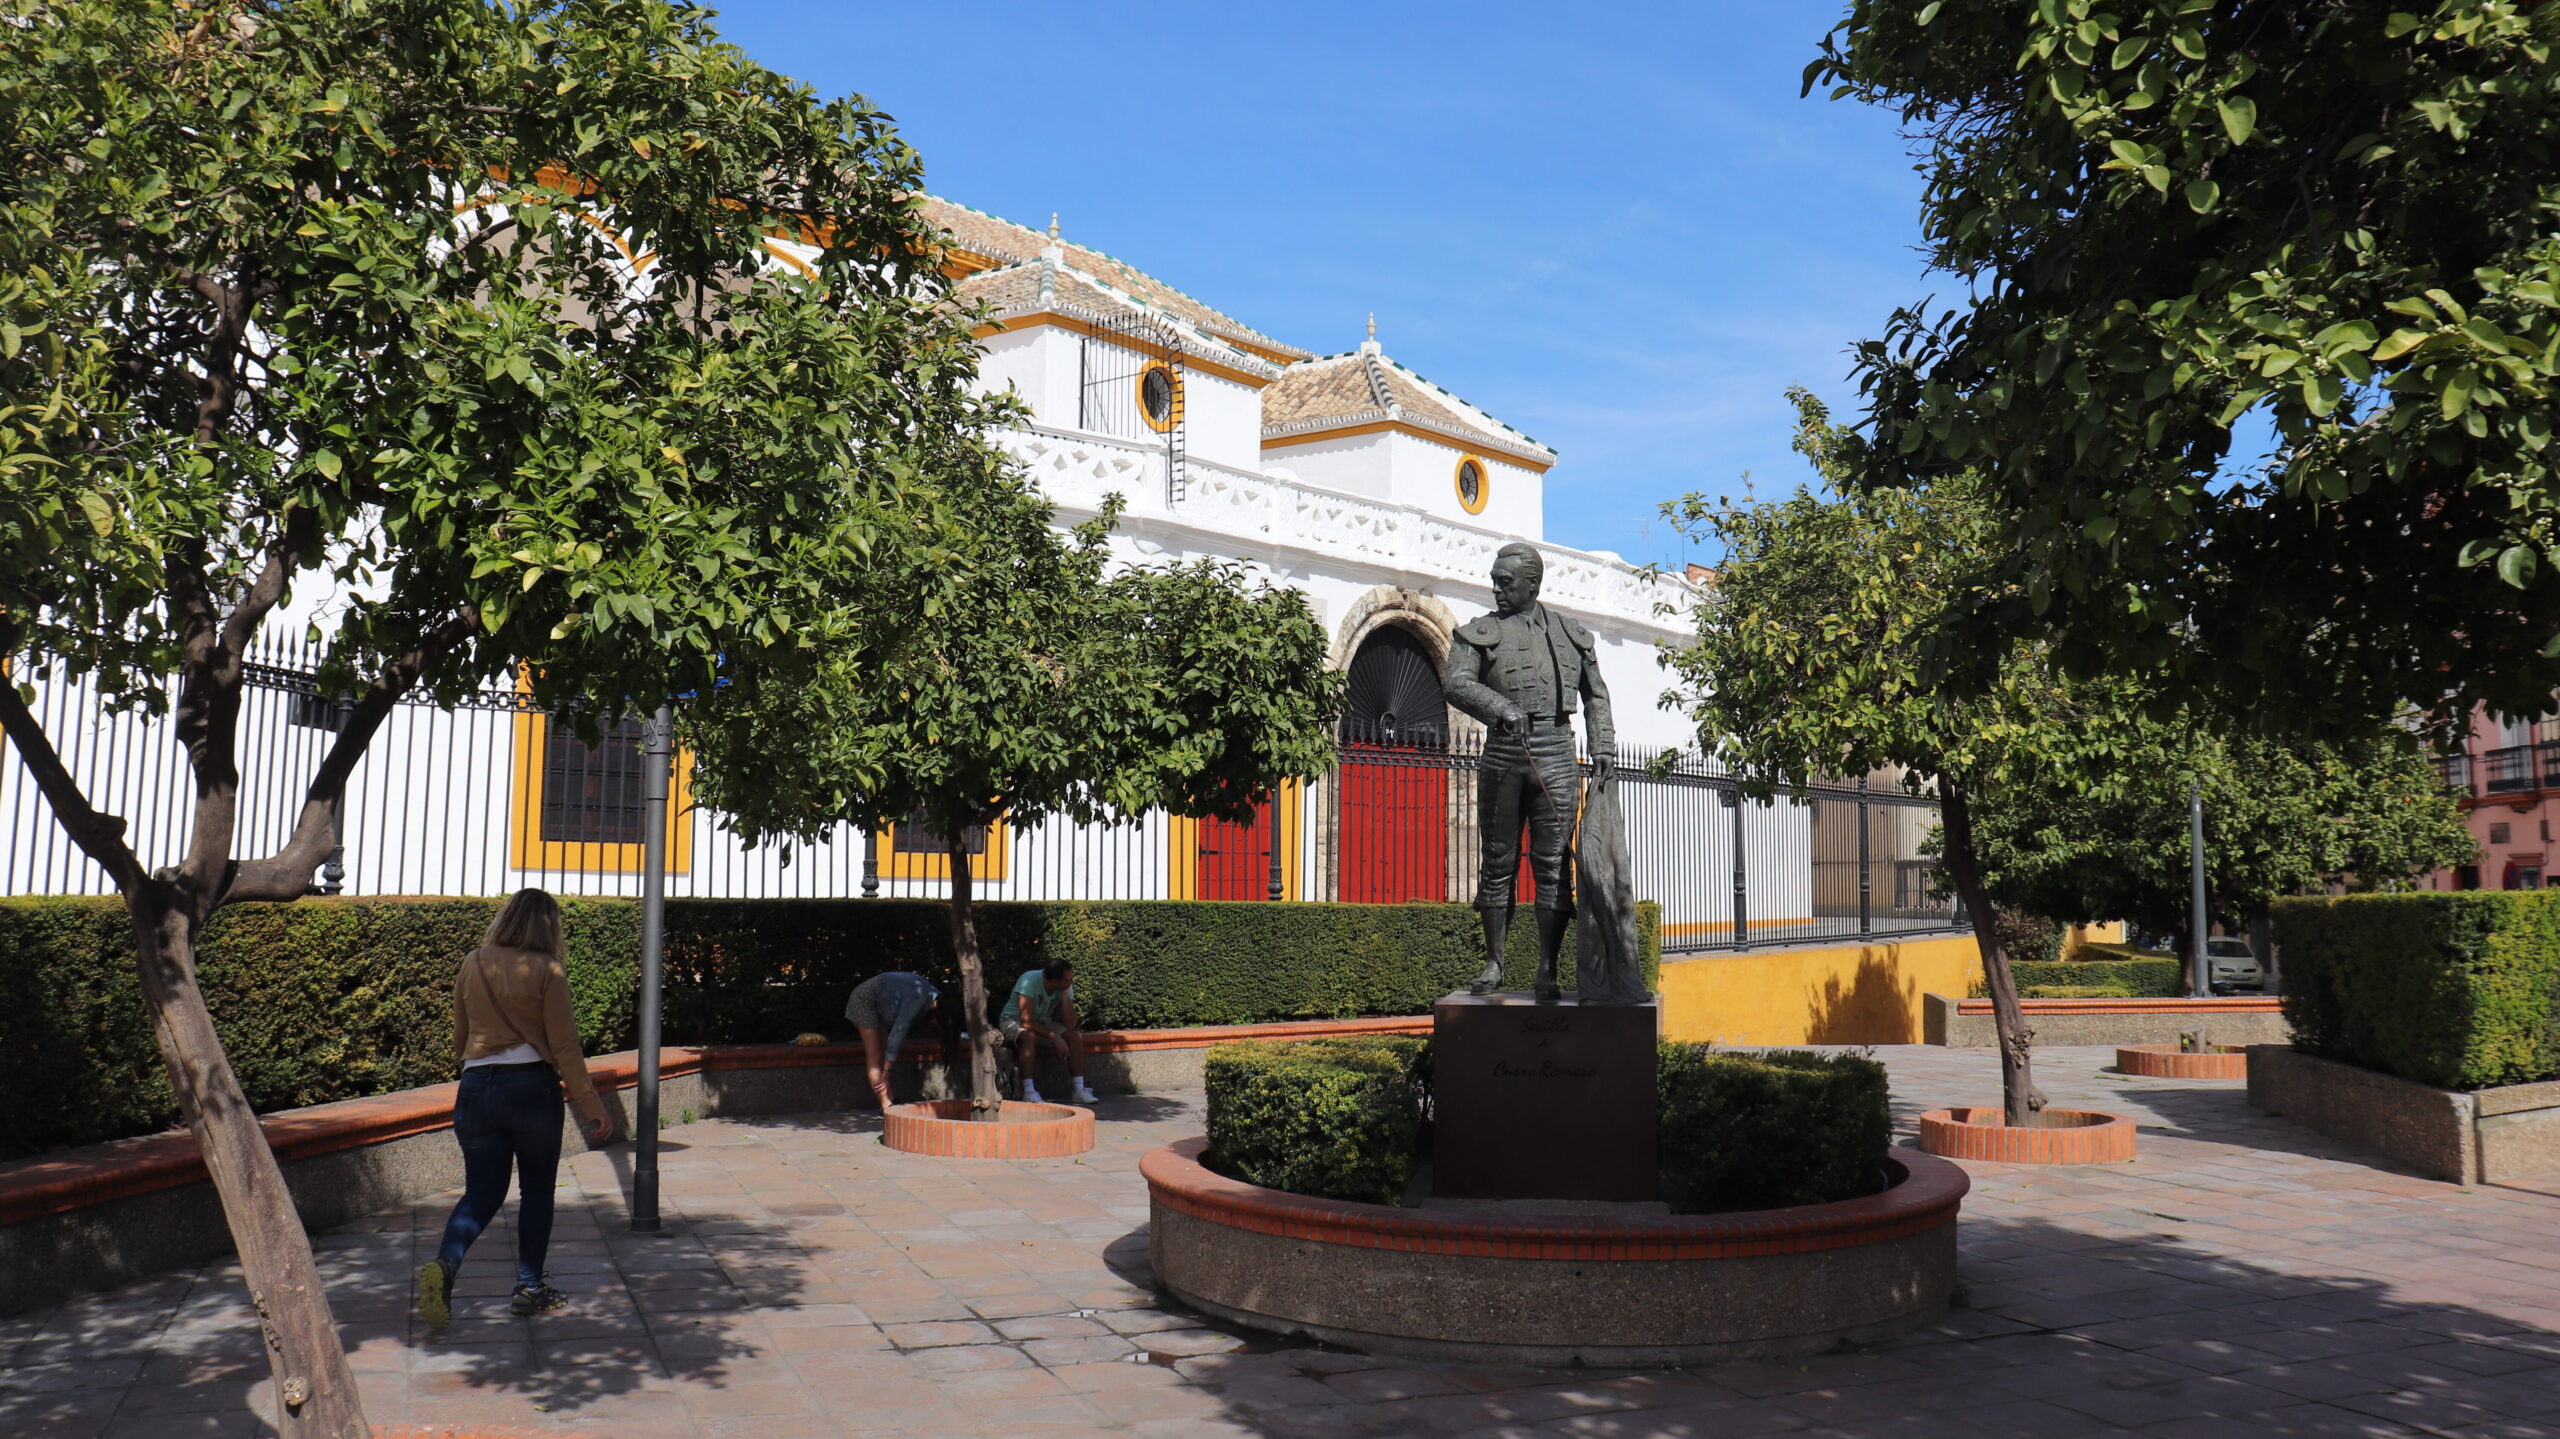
[[1759, 1131], [1343, 1119], [2097, 979], [327, 999], [1336, 1118], [2456, 989]]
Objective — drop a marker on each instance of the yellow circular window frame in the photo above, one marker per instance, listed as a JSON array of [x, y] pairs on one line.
[[1173, 411], [1484, 482]]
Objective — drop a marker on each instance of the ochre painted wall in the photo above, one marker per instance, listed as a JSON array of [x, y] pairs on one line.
[[1857, 994]]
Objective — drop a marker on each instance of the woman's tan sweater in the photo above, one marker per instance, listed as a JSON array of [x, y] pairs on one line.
[[505, 997]]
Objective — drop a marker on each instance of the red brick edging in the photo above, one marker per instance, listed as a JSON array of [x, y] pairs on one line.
[[2250, 1004], [2167, 1061], [468, 1431], [1028, 1130], [1927, 1194], [2069, 1136]]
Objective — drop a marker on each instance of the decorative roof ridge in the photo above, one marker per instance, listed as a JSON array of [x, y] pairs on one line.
[[1474, 409], [1469, 436], [1379, 394], [1261, 335], [1224, 353]]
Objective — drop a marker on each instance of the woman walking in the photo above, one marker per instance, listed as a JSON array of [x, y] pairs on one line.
[[517, 1043]]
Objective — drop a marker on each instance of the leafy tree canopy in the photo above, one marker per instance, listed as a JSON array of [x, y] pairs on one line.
[[2279, 819], [2171, 218]]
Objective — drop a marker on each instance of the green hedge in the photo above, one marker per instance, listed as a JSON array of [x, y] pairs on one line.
[[316, 1001], [2095, 979], [1342, 1119], [1757, 1131], [1335, 1118], [327, 999], [2453, 989]]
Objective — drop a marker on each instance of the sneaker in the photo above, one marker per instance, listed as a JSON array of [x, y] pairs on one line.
[[536, 1299], [1030, 1093], [435, 1294], [1080, 1094]]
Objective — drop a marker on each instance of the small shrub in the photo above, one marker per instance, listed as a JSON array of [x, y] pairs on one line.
[[2029, 938], [1758, 1131], [2453, 989], [1338, 1119], [2116, 978], [2077, 991]]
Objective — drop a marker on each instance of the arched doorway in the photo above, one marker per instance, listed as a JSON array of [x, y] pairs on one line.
[[1394, 795]]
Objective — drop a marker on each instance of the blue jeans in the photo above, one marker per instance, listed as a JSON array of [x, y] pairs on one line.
[[507, 1118]]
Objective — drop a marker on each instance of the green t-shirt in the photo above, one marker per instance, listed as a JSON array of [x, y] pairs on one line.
[[1044, 1005]]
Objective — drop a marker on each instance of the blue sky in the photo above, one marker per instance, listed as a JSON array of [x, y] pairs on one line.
[[1616, 228]]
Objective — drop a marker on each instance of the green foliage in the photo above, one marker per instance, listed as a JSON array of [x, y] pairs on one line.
[[2106, 978], [2028, 938], [1334, 1118], [316, 1001], [1758, 1131], [329, 999], [2279, 819], [332, 277], [2100, 950], [2174, 218], [2459, 990]]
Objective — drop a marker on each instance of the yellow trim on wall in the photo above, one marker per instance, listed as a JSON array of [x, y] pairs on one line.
[[1850, 994], [1173, 411], [1400, 427], [527, 849], [1484, 482], [990, 867], [1182, 841]]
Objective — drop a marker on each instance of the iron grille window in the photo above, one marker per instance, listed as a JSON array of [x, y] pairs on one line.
[[1155, 389], [592, 794], [1471, 484], [912, 836]]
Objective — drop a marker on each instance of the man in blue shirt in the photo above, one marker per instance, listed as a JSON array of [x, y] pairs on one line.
[[883, 1008], [1042, 1010]]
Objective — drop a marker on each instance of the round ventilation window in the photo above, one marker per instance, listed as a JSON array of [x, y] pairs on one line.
[[1159, 396], [1471, 484]]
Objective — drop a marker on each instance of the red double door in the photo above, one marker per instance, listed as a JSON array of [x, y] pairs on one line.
[[1395, 825], [1235, 859]]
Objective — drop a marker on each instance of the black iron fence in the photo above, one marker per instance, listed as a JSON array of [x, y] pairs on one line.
[[492, 795]]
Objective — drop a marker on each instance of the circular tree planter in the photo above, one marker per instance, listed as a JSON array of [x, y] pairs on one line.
[[1613, 1291], [2167, 1061], [468, 1431], [2067, 1136], [1026, 1131]]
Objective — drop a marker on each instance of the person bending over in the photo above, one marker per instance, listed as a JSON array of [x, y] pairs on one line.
[[1042, 1011], [517, 1042], [883, 1008]]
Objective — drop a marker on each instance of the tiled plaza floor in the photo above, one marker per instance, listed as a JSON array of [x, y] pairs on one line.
[[2244, 1277]]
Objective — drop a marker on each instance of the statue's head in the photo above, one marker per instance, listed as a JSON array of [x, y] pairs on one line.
[[1518, 570]]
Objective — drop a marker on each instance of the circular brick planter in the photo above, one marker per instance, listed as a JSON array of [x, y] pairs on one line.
[[2067, 1136], [467, 1431], [1027, 1131], [2167, 1061], [1613, 1291]]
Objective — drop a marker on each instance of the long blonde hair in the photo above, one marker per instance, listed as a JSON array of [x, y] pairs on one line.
[[530, 919]]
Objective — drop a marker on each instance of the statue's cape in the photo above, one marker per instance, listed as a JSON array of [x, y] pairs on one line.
[[1608, 966]]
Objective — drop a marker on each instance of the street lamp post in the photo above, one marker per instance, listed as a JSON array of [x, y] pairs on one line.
[[2199, 984], [659, 742]]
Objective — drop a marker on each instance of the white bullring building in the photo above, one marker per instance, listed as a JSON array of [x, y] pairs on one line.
[[1378, 494]]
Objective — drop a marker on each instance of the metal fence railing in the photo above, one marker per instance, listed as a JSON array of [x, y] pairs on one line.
[[491, 795]]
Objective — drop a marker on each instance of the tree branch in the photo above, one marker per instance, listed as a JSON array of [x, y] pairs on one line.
[[286, 874], [100, 836]]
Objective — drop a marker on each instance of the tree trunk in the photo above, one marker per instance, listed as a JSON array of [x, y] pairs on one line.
[[2020, 1099], [985, 1101], [316, 1394]]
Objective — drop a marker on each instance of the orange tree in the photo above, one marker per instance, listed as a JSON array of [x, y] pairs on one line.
[[2177, 226], [456, 311], [1032, 682]]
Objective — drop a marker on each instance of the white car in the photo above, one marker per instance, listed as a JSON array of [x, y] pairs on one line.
[[2228, 965]]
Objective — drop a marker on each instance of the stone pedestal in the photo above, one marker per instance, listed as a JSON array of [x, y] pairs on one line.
[[1547, 1100]]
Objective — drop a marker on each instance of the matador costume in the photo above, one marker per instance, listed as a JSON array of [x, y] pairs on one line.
[[1543, 664]]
